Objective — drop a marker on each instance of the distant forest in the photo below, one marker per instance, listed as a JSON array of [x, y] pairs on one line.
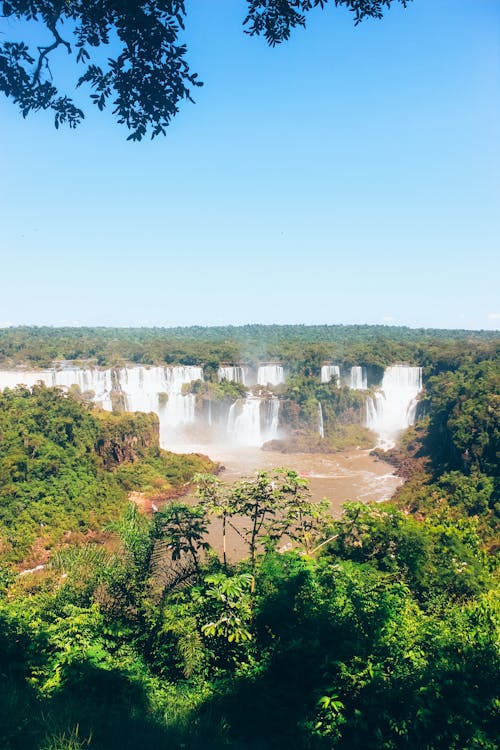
[[303, 348]]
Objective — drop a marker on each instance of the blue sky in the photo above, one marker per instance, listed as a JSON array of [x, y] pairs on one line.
[[348, 176]]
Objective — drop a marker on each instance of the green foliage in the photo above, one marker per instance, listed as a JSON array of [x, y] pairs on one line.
[[50, 478], [277, 505], [231, 606], [162, 473], [125, 436], [67, 741], [385, 635], [464, 427], [303, 348], [148, 76], [183, 528], [56, 467], [439, 559], [225, 391]]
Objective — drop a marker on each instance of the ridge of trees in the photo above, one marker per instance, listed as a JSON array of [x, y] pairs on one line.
[[304, 348]]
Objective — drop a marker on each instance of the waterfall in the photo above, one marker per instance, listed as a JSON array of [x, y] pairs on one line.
[[11, 378], [99, 382], [358, 379], [138, 388], [236, 374], [328, 372], [270, 375], [243, 422], [271, 419], [252, 421], [393, 408], [321, 426], [159, 389]]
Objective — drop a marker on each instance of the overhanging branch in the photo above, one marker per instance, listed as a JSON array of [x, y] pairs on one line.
[[44, 51]]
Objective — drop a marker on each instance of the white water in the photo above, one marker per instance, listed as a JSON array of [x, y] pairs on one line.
[[358, 379], [252, 421], [328, 372], [270, 375], [321, 425], [243, 422], [101, 382], [11, 378], [237, 374], [393, 408], [271, 419], [147, 389]]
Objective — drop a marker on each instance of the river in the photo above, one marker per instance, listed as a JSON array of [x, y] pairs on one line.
[[348, 475]]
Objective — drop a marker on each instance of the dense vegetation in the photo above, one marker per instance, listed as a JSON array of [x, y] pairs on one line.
[[342, 416], [378, 631], [303, 347], [56, 468]]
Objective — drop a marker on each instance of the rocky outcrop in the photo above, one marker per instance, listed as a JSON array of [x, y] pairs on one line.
[[126, 437]]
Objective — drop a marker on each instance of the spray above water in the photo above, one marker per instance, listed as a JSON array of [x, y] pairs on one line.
[[249, 421], [270, 375], [330, 372], [393, 408], [236, 374], [358, 380]]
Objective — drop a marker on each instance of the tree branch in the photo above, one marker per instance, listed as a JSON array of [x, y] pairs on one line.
[[44, 51]]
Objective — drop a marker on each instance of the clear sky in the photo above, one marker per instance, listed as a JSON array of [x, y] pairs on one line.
[[348, 176]]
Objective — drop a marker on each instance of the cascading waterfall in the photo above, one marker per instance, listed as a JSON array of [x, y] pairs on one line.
[[159, 389], [99, 382], [236, 374], [270, 375], [393, 408], [271, 419], [243, 422], [147, 389], [253, 421], [328, 372], [358, 379], [12, 378], [321, 425]]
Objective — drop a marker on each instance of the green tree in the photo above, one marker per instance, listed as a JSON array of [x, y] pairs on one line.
[[147, 75], [229, 597], [183, 529], [217, 500], [277, 505]]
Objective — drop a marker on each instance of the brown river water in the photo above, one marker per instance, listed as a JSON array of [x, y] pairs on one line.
[[348, 475]]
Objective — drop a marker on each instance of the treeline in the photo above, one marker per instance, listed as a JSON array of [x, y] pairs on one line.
[[380, 630], [303, 348]]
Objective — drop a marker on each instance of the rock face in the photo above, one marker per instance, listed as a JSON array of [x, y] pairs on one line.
[[126, 437]]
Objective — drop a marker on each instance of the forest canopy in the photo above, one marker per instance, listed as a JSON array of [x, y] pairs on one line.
[[306, 346]]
